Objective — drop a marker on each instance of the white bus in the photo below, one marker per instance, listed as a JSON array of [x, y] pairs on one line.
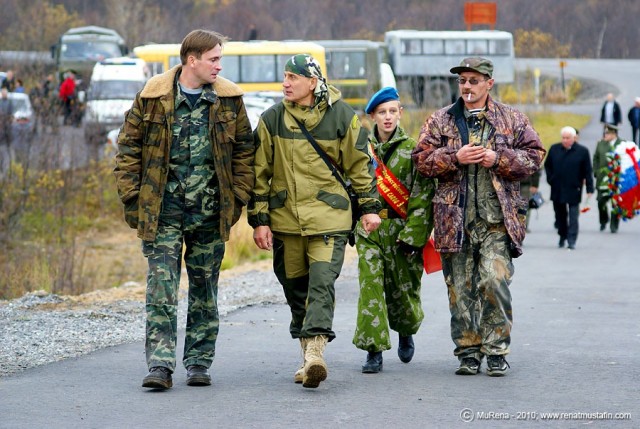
[[422, 60]]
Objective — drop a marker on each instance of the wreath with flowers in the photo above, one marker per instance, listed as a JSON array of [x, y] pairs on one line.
[[612, 183]]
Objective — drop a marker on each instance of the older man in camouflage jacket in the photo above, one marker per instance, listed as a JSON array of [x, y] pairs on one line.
[[479, 150], [184, 171]]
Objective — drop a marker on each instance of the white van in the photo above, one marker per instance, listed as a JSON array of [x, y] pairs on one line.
[[112, 89]]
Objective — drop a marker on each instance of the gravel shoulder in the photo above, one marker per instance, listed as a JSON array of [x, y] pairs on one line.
[[41, 328]]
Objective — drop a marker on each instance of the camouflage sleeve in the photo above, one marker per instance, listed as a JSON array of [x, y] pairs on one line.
[[524, 156], [419, 223], [358, 167], [243, 155], [258, 210], [128, 167], [435, 155]]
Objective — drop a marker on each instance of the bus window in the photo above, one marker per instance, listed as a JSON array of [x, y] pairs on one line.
[[258, 68], [477, 47], [174, 60], [500, 47], [411, 47], [432, 47], [347, 65], [231, 67], [455, 47]]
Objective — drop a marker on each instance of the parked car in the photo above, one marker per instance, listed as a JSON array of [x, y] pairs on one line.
[[258, 102], [24, 125], [110, 146]]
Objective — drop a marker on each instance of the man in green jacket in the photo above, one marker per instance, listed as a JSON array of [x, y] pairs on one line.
[[299, 208], [601, 157], [183, 171], [390, 261]]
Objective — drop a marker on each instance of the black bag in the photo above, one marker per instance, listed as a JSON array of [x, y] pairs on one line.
[[353, 197], [536, 201]]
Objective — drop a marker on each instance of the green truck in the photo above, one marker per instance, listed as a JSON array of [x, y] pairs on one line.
[[80, 48]]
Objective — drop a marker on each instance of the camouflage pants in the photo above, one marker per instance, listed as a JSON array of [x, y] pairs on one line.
[[203, 256], [603, 211], [307, 268], [389, 288], [478, 279]]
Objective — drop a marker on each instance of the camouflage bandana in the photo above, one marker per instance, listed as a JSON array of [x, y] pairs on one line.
[[305, 65]]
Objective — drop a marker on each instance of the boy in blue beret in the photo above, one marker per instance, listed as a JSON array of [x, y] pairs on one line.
[[390, 258]]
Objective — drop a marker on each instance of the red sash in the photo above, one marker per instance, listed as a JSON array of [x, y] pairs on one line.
[[390, 187]]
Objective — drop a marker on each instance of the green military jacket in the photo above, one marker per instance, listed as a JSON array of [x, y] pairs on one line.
[[419, 222], [144, 145], [601, 161], [295, 192]]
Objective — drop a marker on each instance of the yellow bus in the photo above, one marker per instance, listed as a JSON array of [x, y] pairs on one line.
[[255, 66]]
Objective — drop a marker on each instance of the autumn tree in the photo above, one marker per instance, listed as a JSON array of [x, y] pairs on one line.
[[537, 44]]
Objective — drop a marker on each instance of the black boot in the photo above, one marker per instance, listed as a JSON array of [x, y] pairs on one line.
[[406, 348], [158, 378], [373, 365]]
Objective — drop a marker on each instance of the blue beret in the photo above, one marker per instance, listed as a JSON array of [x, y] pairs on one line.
[[385, 94]]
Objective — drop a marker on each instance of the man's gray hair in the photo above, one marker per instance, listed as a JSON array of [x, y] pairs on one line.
[[569, 130]]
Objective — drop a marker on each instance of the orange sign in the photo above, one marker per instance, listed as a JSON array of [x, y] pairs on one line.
[[480, 13]]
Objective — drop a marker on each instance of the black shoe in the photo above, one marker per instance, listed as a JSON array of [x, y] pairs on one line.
[[159, 377], [603, 226], [406, 348], [614, 229], [572, 247], [198, 375], [561, 243], [373, 365], [497, 366], [468, 366]]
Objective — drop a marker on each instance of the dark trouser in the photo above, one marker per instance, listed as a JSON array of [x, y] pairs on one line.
[[567, 221], [635, 135], [603, 212], [307, 268]]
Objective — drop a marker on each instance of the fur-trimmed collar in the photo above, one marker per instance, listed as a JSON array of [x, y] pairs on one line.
[[162, 84]]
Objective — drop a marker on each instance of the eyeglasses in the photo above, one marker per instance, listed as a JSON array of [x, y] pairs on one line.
[[472, 81]]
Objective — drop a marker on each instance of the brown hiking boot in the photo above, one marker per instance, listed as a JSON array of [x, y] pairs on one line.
[[315, 370], [298, 377]]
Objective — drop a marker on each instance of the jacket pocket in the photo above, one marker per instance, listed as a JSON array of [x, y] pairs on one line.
[[333, 200], [153, 128], [226, 123]]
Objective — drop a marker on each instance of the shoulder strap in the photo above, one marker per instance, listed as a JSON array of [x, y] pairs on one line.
[[327, 160]]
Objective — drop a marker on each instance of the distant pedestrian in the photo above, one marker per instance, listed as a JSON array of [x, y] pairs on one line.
[[9, 81], [634, 120], [568, 169], [67, 94], [601, 157], [19, 86], [6, 117], [611, 113]]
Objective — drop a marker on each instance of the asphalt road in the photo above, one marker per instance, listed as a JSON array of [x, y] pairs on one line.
[[575, 350]]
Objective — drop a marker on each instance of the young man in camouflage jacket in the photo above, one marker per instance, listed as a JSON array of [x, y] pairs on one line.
[[183, 171], [479, 150]]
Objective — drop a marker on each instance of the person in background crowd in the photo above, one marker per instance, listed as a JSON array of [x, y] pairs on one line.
[[6, 117], [299, 208], [634, 120], [611, 113], [601, 156], [478, 149], [568, 168], [390, 261], [183, 182], [528, 187], [67, 95], [9, 81]]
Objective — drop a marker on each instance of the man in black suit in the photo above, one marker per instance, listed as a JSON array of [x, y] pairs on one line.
[[568, 168]]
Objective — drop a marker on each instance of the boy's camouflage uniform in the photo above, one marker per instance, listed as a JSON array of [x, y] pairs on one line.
[[479, 217], [183, 173], [390, 280]]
